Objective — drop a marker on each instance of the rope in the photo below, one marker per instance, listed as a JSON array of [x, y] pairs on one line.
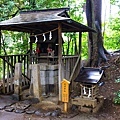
[[44, 32]]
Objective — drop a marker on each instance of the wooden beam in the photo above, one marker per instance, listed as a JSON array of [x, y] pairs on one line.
[[59, 58], [80, 36], [29, 29], [75, 67], [0, 40], [70, 25], [31, 49], [0, 48]]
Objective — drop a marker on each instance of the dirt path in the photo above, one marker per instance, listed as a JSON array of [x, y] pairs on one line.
[[13, 116]]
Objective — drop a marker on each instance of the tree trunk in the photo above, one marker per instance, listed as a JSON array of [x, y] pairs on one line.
[[96, 49], [3, 44], [93, 51]]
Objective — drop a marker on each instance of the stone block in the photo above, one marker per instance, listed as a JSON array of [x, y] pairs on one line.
[[85, 109], [53, 79], [43, 66], [85, 102], [44, 80], [43, 73], [52, 67], [52, 73]]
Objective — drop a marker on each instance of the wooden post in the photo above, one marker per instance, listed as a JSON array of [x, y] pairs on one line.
[[59, 58], [18, 81], [0, 40], [31, 41], [0, 49], [80, 36], [36, 81], [31, 82]]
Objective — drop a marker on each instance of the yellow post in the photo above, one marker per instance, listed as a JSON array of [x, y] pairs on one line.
[[65, 107], [65, 93]]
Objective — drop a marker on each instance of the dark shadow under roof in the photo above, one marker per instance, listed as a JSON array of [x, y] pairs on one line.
[[39, 21]]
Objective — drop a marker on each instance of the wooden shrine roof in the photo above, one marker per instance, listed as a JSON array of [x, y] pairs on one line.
[[40, 21]]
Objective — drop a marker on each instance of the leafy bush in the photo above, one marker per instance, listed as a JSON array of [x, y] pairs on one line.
[[117, 80], [116, 100]]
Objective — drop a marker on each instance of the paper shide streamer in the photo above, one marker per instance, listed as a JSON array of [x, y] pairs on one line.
[[50, 35], [36, 39]]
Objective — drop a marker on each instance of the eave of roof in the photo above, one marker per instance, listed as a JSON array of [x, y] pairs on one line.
[[43, 20], [35, 16]]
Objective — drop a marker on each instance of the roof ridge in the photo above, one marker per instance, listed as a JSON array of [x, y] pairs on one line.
[[43, 10]]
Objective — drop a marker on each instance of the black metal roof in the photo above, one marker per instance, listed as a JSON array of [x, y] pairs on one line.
[[39, 21], [89, 75]]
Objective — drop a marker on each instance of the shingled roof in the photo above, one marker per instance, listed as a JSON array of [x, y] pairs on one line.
[[39, 21]]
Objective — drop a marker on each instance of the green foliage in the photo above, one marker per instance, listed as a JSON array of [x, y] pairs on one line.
[[69, 43], [76, 10], [116, 100], [14, 42], [48, 4], [115, 24], [117, 80], [84, 51], [112, 36], [115, 2], [6, 9]]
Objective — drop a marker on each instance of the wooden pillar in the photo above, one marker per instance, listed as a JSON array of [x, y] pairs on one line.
[[0, 48], [0, 40], [31, 41], [36, 81], [59, 58], [80, 36], [18, 81]]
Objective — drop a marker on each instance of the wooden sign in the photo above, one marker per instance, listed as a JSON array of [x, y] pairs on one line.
[[65, 90]]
